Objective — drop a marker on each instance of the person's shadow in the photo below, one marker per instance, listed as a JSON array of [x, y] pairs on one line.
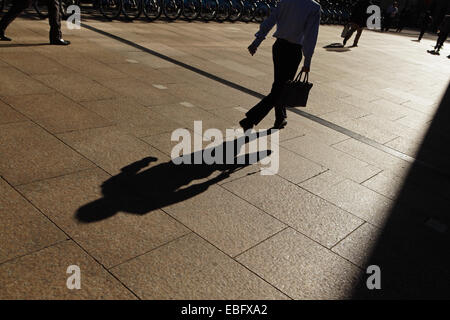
[[139, 192]]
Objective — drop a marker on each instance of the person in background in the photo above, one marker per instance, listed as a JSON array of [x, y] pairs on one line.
[[426, 21], [54, 18], [358, 20], [444, 30], [297, 30], [403, 19], [391, 13]]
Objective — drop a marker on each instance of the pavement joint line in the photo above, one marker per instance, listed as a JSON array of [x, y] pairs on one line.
[[153, 249], [222, 251], [255, 94]]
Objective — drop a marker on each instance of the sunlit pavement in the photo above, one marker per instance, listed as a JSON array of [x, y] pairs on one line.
[[72, 117]]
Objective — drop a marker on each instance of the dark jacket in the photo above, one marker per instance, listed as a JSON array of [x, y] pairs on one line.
[[359, 13]]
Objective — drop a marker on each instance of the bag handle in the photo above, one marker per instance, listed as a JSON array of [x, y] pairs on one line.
[[299, 77]]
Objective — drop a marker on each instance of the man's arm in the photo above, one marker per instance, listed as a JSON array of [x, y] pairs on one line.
[[265, 28], [310, 40]]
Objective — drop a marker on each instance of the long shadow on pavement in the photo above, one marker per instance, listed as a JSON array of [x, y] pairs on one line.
[[413, 249], [167, 183]]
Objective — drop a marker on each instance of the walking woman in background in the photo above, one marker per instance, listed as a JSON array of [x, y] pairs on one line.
[[297, 29]]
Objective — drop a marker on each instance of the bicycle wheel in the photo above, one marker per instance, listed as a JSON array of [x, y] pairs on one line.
[[209, 9], [41, 8], [110, 9], [152, 9], [131, 9], [223, 10], [262, 11], [248, 11], [237, 6], [172, 8], [191, 9]]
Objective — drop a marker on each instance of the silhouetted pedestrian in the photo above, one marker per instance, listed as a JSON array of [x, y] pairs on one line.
[[358, 20], [426, 21], [403, 19], [297, 29], [54, 17]]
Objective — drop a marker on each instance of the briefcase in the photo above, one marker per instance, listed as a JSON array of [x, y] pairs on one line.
[[295, 92]]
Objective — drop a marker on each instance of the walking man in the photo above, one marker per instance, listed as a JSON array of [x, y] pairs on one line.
[[358, 21], [427, 19], [297, 30], [54, 17]]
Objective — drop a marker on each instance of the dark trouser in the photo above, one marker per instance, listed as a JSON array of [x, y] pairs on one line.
[[422, 32], [54, 16], [286, 59], [354, 27], [441, 39]]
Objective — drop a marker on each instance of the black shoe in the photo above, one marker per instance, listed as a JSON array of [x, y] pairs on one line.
[[354, 46], [246, 124], [3, 37], [280, 124], [59, 42]]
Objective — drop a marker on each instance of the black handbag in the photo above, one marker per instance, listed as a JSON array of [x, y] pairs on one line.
[[295, 92]]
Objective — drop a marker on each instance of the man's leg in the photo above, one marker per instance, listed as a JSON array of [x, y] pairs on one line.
[[286, 58], [422, 32], [287, 64], [17, 7], [349, 33], [54, 20], [358, 35]]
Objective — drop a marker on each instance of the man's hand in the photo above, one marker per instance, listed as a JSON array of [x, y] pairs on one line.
[[305, 69], [252, 48]]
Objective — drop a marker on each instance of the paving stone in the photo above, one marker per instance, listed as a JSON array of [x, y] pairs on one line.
[[51, 111], [109, 148], [33, 63], [331, 158], [24, 229], [301, 210], [373, 156], [16, 83], [356, 199], [296, 168], [8, 114], [301, 268], [358, 246], [100, 215], [190, 268], [76, 86], [225, 220], [33, 154], [131, 116], [43, 275], [141, 91]]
